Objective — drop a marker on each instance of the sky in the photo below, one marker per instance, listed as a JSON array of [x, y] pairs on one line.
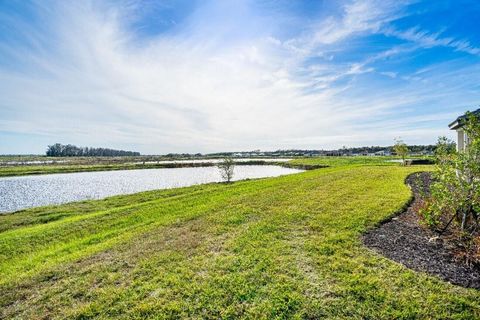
[[234, 75]]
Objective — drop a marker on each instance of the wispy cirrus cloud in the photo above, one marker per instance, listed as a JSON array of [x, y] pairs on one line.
[[428, 39]]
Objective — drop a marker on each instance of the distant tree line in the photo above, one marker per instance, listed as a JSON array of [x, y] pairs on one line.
[[335, 152], [183, 155], [69, 150], [373, 149]]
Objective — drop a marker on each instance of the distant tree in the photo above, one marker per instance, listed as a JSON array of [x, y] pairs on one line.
[[401, 149], [69, 150], [444, 146], [226, 167]]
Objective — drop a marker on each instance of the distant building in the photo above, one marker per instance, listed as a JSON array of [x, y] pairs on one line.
[[457, 125], [383, 153]]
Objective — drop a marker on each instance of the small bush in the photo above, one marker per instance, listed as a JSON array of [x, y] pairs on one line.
[[226, 168], [401, 149]]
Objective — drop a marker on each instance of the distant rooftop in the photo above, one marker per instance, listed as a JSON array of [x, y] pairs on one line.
[[460, 121]]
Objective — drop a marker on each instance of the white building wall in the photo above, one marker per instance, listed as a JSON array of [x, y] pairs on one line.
[[460, 140]]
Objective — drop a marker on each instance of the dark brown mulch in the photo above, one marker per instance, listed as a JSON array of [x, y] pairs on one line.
[[405, 240]]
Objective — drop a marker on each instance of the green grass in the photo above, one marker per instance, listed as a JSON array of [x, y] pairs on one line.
[[286, 247], [351, 161]]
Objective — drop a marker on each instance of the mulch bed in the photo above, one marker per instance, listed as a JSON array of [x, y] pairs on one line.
[[405, 240]]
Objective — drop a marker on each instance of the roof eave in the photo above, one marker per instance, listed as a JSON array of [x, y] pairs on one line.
[[455, 125], [460, 121]]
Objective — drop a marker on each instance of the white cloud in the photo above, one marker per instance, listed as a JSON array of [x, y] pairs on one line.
[[92, 81], [358, 17], [427, 39]]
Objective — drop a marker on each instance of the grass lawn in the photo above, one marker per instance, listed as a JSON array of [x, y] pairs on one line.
[[351, 161], [285, 247]]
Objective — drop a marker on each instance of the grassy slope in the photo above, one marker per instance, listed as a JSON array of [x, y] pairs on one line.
[[272, 248], [349, 161]]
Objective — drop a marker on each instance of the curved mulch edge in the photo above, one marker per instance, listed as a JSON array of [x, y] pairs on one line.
[[403, 239]]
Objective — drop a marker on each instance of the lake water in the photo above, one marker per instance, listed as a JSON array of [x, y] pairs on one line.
[[18, 193]]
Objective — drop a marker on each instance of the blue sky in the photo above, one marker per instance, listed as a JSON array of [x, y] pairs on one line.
[[204, 76]]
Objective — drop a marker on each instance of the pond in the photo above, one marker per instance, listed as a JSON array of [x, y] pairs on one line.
[[18, 193]]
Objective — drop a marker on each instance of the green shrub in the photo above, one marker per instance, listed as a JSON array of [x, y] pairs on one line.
[[455, 195]]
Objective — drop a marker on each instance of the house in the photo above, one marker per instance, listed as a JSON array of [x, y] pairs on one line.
[[457, 125], [383, 153]]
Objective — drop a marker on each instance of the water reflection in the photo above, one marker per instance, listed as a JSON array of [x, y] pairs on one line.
[[31, 191]]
